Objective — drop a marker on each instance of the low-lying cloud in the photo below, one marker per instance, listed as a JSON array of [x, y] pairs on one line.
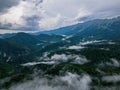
[[68, 82]]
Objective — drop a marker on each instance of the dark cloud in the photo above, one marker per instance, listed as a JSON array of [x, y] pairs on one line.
[[6, 26], [6, 4], [51, 14]]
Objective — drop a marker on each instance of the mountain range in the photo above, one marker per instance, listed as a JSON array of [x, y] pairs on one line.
[[92, 48]]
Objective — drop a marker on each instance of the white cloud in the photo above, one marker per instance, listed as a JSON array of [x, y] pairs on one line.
[[83, 13], [90, 42], [68, 82], [58, 13], [36, 63], [112, 78], [60, 57], [71, 11], [113, 62], [14, 16], [49, 22], [76, 47], [57, 58]]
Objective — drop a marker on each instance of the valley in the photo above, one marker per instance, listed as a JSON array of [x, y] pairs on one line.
[[85, 56]]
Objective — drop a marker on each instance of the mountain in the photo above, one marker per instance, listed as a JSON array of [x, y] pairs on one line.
[[81, 53], [6, 35], [49, 37], [99, 29], [63, 31], [34, 42], [9, 51], [25, 40]]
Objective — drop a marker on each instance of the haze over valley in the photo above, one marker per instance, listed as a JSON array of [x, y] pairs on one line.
[[46, 47]]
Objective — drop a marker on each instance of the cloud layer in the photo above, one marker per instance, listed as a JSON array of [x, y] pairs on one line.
[[5, 4], [49, 14], [68, 82]]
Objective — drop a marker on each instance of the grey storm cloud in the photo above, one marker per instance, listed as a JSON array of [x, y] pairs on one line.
[[20, 14], [6, 4], [51, 14]]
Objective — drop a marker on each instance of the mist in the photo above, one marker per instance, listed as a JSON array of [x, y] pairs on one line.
[[67, 82]]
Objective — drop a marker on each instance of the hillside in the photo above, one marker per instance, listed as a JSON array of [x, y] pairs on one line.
[[87, 53]]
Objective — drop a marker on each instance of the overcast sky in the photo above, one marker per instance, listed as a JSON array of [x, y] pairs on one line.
[[51, 14]]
